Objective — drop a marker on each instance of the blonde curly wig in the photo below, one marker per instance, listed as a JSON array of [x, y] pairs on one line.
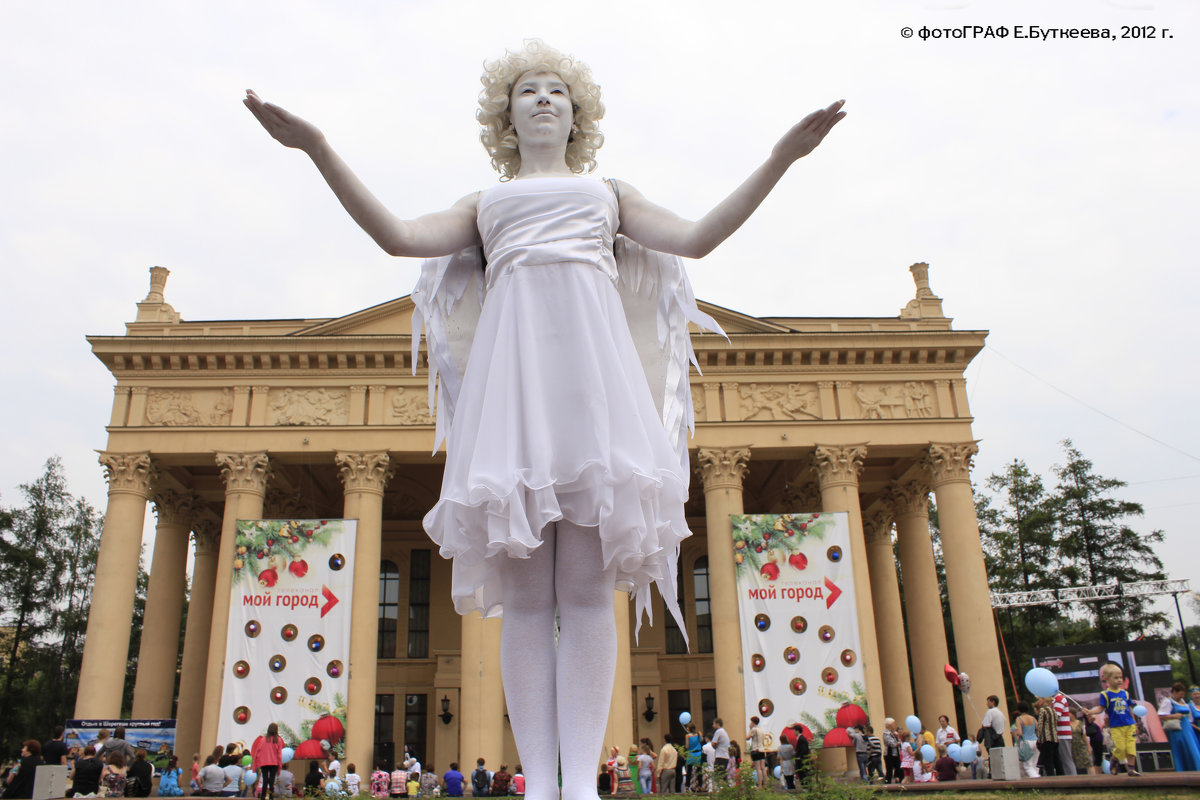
[[493, 114]]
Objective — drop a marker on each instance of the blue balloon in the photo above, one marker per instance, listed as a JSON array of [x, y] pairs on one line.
[[778, 770], [953, 750], [287, 754], [928, 753], [1139, 710], [1042, 682], [1106, 766], [913, 723], [249, 778], [684, 718], [966, 754]]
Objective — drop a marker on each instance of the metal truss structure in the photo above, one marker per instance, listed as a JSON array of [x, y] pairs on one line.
[[1073, 594]]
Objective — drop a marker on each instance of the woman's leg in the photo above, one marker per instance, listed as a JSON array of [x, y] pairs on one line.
[[528, 664], [587, 654]]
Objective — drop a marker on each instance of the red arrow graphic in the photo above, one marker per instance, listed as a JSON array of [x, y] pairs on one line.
[[833, 593], [331, 599]]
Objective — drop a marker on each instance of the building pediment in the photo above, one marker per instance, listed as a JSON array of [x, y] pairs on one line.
[[393, 318]]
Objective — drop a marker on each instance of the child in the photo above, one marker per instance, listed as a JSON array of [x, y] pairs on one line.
[[906, 757], [196, 772], [414, 784], [352, 781], [1114, 701], [381, 782]]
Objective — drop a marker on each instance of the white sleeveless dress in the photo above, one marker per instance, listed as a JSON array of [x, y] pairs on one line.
[[554, 418]]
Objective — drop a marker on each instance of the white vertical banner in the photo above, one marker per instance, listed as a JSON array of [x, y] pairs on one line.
[[287, 652], [801, 653]]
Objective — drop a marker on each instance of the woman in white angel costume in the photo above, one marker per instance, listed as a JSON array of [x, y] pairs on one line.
[[556, 311]]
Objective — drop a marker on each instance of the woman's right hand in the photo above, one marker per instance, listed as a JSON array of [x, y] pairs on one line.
[[285, 127]]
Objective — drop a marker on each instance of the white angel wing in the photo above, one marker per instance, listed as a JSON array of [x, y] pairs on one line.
[[659, 304], [448, 300]]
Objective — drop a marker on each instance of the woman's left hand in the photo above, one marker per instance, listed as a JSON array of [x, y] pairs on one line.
[[806, 134]]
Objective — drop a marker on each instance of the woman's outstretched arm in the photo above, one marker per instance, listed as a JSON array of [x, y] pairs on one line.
[[437, 234], [659, 229]]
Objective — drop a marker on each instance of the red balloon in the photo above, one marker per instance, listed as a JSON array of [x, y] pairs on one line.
[[951, 674]]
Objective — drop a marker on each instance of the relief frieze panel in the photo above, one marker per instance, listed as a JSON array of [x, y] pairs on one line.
[[408, 405], [308, 407], [896, 400], [779, 401], [189, 407]]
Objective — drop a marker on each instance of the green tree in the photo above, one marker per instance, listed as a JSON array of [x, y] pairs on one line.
[[47, 560], [1096, 546]]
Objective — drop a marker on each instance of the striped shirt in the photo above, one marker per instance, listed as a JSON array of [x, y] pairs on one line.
[[874, 747], [1063, 712]]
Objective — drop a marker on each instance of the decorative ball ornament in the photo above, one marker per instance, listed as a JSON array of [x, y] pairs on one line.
[[277, 663], [762, 622], [316, 643], [829, 675], [253, 628], [279, 695], [799, 624], [798, 686], [334, 669], [848, 658], [834, 554], [241, 715], [757, 662], [337, 561], [312, 685], [241, 669], [289, 632], [825, 633], [791, 655], [766, 707]]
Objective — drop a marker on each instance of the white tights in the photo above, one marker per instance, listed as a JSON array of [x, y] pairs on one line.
[[565, 573]]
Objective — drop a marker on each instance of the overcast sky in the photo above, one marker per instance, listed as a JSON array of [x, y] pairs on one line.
[[1051, 185]]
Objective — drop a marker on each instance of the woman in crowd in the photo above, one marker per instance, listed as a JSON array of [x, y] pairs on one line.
[[168, 782], [20, 778], [112, 779], [1176, 719], [1025, 734], [140, 776], [266, 756]]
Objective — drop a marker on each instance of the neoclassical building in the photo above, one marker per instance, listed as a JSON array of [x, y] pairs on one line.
[[240, 419]]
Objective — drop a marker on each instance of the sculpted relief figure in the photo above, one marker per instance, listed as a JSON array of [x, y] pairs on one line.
[[912, 400], [768, 401], [309, 406], [172, 407], [410, 407]]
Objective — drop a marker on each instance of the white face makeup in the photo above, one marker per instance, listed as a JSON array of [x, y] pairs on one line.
[[540, 108]]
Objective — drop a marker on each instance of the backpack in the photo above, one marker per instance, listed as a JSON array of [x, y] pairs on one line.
[[479, 782]]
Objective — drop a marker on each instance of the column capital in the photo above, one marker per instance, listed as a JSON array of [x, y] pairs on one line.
[[206, 535], [839, 466], [173, 507], [909, 499], [723, 469], [949, 462], [877, 527], [128, 473], [245, 472], [364, 472], [804, 496]]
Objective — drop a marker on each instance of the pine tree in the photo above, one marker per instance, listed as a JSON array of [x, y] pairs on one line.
[[1095, 545]]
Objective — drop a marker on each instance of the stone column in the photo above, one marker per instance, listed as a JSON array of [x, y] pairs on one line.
[[949, 467], [190, 713], [482, 714], [837, 473], [364, 476], [154, 687], [620, 708], [922, 601], [102, 675], [246, 476], [889, 619], [722, 472]]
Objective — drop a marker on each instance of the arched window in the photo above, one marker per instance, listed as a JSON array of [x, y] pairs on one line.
[[389, 609]]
